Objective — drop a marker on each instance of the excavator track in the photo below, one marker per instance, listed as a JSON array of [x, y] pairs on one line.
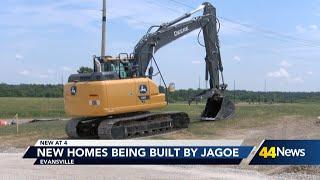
[[71, 128], [127, 126]]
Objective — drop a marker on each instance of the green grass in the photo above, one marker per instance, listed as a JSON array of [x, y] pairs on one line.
[[247, 116], [31, 107], [47, 129], [29, 133]]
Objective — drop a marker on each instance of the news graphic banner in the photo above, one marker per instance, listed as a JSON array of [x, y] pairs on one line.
[[70, 152], [288, 152]]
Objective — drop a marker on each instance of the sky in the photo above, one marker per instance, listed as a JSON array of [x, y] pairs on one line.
[[277, 42]]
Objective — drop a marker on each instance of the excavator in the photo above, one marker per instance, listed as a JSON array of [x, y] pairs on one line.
[[117, 100]]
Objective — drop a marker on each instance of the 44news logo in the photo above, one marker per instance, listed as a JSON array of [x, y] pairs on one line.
[[273, 152], [287, 152]]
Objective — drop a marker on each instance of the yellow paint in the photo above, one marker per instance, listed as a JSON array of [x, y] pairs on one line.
[[102, 98]]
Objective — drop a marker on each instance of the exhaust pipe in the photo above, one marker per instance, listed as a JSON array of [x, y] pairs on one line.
[[97, 65]]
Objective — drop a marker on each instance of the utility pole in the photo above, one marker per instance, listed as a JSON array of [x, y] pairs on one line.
[[62, 79], [104, 19], [62, 95], [265, 91], [234, 91], [199, 83], [62, 82], [103, 38]]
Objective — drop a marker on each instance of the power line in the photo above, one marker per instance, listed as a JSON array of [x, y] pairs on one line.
[[183, 4], [266, 33], [273, 37], [136, 20], [304, 42], [162, 5], [268, 36]]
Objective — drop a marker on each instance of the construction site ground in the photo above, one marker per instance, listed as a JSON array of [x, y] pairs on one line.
[[252, 123]]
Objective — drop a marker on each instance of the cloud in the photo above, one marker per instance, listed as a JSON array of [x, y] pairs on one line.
[[86, 14], [66, 69], [236, 45], [196, 62], [137, 14], [51, 14], [50, 71], [232, 28], [19, 57], [300, 28], [24, 72], [296, 80], [237, 58], [313, 27], [281, 73], [44, 76], [309, 72], [310, 32], [285, 64]]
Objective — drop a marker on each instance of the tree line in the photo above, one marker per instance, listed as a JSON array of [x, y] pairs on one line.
[[183, 95], [252, 96], [31, 90]]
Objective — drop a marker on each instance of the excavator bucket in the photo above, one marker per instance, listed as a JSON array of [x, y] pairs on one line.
[[218, 108]]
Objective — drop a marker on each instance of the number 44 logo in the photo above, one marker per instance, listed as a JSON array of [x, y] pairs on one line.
[[265, 152]]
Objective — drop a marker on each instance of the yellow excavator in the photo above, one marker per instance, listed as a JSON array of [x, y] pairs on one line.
[[116, 99]]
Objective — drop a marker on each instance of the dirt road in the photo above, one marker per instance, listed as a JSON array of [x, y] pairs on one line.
[[12, 166]]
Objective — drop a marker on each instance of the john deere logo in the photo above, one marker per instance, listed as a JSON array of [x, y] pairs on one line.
[[73, 90], [143, 89]]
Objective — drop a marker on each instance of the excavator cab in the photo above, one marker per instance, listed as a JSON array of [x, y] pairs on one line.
[[121, 65]]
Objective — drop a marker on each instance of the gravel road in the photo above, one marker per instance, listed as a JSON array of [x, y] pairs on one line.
[[12, 166]]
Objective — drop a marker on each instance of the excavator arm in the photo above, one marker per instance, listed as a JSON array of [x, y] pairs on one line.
[[171, 31], [217, 106]]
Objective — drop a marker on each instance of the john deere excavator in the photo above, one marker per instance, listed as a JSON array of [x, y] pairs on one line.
[[114, 101]]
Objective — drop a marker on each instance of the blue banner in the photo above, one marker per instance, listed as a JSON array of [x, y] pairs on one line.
[[288, 152], [60, 155]]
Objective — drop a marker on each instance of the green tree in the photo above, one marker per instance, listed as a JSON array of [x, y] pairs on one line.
[[83, 69]]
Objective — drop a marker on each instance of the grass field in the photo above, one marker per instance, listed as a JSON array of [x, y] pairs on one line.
[[31, 107], [248, 119], [252, 123]]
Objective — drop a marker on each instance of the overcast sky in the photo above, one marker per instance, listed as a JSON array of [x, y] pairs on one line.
[[42, 41]]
